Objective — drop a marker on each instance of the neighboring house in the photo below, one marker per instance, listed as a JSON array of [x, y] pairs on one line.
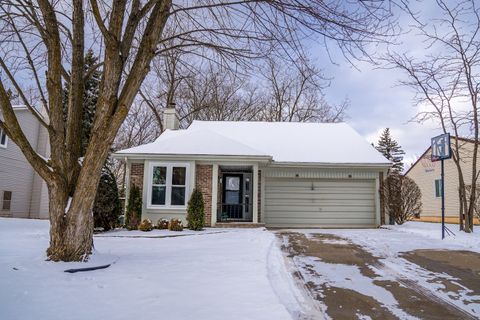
[[272, 173], [23, 194], [427, 175]]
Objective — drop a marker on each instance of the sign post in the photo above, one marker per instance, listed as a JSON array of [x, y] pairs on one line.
[[441, 151]]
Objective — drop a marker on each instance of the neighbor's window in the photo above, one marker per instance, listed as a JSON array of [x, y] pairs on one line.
[[438, 188], [3, 139], [168, 184], [7, 200]]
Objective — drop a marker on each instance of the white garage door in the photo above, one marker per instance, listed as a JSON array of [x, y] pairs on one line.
[[319, 203]]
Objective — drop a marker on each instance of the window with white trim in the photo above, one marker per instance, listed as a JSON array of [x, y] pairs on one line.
[[438, 188], [168, 184], [3, 139], [7, 200]]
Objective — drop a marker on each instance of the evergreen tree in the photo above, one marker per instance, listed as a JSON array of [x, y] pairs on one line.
[[391, 150], [196, 211], [106, 209], [134, 209], [90, 96]]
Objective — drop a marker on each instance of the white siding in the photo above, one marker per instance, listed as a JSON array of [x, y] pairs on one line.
[[16, 174], [425, 172]]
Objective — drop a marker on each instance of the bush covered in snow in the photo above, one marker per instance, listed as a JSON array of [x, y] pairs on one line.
[[175, 225], [403, 198], [106, 208], [134, 209], [196, 211], [162, 224], [146, 225]]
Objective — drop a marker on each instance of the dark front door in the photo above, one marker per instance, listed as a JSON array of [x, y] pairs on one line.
[[232, 195]]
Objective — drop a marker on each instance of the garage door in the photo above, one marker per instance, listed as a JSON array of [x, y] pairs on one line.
[[319, 203]]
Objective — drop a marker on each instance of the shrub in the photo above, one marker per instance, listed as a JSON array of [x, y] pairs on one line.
[[106, 208], [175, 225], [134, 209], [196, 211], [402, 198], [146, 225], [162, 224]]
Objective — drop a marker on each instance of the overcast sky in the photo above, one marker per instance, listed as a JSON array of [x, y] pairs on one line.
[[376, 99]]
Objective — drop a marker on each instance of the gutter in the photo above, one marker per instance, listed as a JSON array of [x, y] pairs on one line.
[[203, 157]]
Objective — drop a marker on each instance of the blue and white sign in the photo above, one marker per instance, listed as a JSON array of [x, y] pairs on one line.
[[441, 147]]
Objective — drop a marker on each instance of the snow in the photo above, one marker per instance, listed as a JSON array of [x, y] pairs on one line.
[[194, 142], [282, 141], [232, 274], [349, 277], [387, 244], [470, 241]]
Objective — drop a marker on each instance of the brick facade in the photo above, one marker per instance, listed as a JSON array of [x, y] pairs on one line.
[[203, 181], [136, 175], [259, 196]]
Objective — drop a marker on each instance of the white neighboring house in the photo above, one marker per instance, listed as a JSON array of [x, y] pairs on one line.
[[271, 173], [23, 193]]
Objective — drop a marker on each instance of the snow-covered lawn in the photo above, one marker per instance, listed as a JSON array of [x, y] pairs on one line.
[[372, 263], [434, 232], [214, 274], [229, 274]]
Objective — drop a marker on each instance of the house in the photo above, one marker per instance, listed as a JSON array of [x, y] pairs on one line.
[[270, 173], [23, 193], [427, 175]]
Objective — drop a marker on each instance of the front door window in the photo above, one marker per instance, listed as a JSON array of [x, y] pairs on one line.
[[232, 190]]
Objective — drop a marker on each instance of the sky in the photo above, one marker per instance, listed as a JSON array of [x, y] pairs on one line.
[[377, 101]]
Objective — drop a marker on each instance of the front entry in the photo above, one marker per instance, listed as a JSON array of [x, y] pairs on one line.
[[236, 204], [232, 195]]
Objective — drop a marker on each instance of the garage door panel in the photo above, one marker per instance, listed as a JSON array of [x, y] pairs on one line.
[[312, 195], [319, 202], [329, 191], [297, 202], [320, 215], [296, 209], [301, 183], [293, 222]]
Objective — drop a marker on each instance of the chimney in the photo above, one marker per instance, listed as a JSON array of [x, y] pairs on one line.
[[170, 117]]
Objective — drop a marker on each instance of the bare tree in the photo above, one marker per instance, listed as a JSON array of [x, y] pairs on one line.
[[403, 198], [139, 127], [45, 41], [448, 81], [295, 93]]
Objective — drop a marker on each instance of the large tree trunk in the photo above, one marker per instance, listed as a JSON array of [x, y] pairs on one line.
[[71, 232], [71, 218]]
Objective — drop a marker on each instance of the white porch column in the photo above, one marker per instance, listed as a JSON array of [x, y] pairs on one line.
[[255, 194], [377, 201], [127, 184], [214, 194]]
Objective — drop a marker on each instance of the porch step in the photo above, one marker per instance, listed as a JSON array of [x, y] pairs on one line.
[[239, 225]]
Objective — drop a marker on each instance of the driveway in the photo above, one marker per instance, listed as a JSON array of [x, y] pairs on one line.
[[384, 274]]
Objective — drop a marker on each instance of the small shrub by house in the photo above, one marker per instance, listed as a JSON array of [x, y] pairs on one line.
[[175, 225], [146, 225], [134, 209], [196, 211], [162, 224]]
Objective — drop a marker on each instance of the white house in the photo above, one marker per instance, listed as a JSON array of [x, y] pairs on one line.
[[23, 193], [271, 173]]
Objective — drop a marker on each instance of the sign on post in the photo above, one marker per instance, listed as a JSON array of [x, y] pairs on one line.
[[441, 151], [441, 147]]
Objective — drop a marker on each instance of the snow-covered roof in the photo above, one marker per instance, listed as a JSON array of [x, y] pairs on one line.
[[281, 141]]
